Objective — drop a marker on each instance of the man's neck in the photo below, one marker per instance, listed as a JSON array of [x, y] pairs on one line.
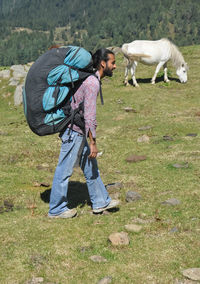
[[101, 73]]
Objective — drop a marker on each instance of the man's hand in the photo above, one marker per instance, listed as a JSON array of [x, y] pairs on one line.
[[93, 146], [93, 150]]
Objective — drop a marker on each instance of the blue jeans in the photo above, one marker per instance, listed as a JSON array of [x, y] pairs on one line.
[[74, 147]]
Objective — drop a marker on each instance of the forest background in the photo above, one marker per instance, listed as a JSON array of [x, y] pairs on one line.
[[28, 28]]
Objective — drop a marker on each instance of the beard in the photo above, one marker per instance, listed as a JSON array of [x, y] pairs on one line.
[[108, 72]]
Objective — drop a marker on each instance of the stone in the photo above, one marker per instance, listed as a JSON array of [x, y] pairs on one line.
[[171, 201], [18, 95], [105, 280], [145, 128], [119, 239], [5, 74], [186, 281], [135, 158], [8, 204], [38, 184], [167, 138], [192, 273], [132, 196], [13, 82], [98, 258], [129, 109], [18, 71], [133, 228], [114, 186], [114, 195], [35, 280], [179, 166], [192, 134], [143, 138]]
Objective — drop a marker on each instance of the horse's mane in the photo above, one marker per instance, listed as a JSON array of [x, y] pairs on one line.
[[176, 56]]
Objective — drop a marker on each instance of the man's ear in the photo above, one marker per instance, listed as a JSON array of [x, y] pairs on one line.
[[103, 64]]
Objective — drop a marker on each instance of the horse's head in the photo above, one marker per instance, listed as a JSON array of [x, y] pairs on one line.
[[182, 72]]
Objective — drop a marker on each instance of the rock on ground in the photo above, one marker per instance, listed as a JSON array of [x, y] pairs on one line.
[[171, 201], [121, 238], [192, 273], [135, 158], [133, 228], [114, 186], [105, 280], [18, 96], [35, 280], [5, 74], [13, 82], [98, 258], [147, 127], [132, 196], [186, 281], [179, 166], [143, 139], [18, 71]]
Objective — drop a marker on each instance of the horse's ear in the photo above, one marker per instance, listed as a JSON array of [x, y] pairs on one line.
[[187, 67]]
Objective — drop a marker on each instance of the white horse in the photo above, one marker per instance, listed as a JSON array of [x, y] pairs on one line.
[[154, 52]]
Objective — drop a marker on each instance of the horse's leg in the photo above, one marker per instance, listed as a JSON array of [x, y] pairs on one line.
[[133, 68], [160, 64], [126, 83], [166, 79]]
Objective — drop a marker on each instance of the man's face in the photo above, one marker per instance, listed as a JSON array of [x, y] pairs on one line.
[[110, 66]]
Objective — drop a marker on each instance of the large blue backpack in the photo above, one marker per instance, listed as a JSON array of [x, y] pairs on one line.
[[50, 84]]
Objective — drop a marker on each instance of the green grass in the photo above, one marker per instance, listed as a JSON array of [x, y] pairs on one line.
[[59, 250]]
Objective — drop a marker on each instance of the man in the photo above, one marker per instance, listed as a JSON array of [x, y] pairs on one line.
[[75, 146]]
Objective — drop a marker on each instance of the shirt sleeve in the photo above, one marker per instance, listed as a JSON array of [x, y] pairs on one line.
[[91, 89]]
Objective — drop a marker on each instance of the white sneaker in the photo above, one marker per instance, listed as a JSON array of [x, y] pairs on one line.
[[66, 214], [113, 203]]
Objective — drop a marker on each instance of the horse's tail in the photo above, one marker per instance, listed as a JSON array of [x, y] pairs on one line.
[[125, 50]]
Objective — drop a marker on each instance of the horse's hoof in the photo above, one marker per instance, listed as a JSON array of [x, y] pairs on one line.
[[153, 83], [137, 86]]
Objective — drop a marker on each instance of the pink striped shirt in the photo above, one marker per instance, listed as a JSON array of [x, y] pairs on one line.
[[87, 93]]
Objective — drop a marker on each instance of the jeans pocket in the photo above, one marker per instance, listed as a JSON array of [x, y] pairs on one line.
[[67, 137]]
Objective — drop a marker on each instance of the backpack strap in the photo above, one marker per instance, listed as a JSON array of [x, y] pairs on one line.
[[100, 89], [101, 95]]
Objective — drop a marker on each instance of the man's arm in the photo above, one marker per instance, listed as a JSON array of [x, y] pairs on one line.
[[91, 89], [93, 146]]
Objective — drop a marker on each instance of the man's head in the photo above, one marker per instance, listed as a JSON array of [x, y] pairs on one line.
[[104, 62]]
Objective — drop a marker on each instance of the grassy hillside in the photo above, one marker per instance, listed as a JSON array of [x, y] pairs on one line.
[[59, 250]]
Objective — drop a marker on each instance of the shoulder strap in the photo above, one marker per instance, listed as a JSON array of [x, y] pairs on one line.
[[100, 90]]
